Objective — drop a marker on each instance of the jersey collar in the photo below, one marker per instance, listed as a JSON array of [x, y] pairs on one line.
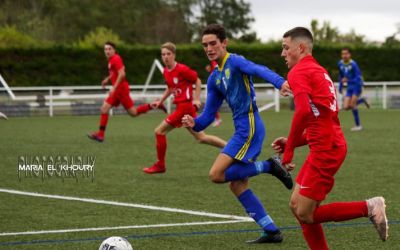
[[224, 61]]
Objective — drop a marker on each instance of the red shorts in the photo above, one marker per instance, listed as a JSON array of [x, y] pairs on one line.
[[184, 108], [121, 95], [316, 176]]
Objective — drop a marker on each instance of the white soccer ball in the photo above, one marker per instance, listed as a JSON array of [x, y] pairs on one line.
[[115, 243]]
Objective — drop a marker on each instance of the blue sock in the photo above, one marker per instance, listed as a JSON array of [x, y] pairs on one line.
[[356, 117], [240, 170], [255, 210], [360, 100]]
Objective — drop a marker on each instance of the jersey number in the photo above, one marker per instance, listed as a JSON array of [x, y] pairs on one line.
[[333, 106]]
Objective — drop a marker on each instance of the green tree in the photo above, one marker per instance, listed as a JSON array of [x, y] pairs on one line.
[[98, 37]]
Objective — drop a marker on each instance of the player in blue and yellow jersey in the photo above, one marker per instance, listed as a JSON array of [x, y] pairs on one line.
[[232, 81], [350, 74]]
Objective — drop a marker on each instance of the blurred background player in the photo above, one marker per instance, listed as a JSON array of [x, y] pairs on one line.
[[350, 74], [316, 123], [210, 68], [180, 79], [119, 92], [236, 163]]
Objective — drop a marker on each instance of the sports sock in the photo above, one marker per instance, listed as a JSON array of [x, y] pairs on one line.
[[356, 117], [255, 210], [161, 145], [361, 100], [144, 108], [340, 211], [240, 171], [217, 116], [315, 237], [103, 124]]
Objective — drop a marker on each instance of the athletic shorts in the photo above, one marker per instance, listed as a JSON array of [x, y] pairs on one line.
[[354, 90], [246, 143], [121, 95], [184, 108], [316, 176]]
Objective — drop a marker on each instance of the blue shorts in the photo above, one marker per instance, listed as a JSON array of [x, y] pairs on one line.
[[246, 143], [354, 90]]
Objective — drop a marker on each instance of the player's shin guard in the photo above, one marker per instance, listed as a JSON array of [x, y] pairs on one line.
[[240, 171], [103, 124], [161, 145], [255, 210], [340, 211], [315, 237]]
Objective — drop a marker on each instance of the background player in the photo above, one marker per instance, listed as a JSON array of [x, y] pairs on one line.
[[232, 81], [119, 92], [316, 123], [210, 68], [350, 74], [180, 79]]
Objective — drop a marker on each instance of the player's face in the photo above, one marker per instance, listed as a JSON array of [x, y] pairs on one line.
[[346, 55], [109, 50], [214, 48], [290, 51], [168, 57]]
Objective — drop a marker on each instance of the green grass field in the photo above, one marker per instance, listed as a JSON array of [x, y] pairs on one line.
[[371, 168]]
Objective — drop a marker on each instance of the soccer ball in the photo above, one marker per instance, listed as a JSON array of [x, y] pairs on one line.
[[115, 243]]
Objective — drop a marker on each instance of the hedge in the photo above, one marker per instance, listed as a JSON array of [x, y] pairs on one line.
[[64, 66]]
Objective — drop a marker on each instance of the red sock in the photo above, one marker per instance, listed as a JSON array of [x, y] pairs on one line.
[[340, 211], [217, 116], [161, 145], [315, 237], [103, 124], [143, 108]]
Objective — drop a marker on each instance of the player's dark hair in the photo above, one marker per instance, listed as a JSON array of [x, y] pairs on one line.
[[215, 29], [299, 32], [111, 44], [347, 49]]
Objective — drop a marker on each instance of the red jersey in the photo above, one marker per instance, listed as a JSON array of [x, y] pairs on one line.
[[322, 127], [180, 80], [213, 64], [114, 65]]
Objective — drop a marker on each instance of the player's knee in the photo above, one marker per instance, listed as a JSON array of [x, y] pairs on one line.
[[216, 177], [104, 110], [305, 217]]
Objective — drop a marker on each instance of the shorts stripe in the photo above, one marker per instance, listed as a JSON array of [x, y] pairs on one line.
[[242, 152]]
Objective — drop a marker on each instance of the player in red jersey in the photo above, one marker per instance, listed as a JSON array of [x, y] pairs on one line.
[[119, 92], [316, 123], [180, 79], [210, 68]]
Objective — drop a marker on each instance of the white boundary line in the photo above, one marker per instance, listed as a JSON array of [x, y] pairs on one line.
[[121, 227], [124, 204]]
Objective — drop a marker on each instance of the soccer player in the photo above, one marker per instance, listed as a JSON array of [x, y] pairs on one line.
[[119, 92], [236, 163], [350, 74], [180, 79], [210, 68], [316, 123]]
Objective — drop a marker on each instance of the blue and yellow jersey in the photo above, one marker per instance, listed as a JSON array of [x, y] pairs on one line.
[[232, 81], [351, 71]]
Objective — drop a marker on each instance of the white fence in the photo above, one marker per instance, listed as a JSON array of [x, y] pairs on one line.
[[50, 98]]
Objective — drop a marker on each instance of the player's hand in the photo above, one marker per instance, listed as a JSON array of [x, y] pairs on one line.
[[290, 166], [345, 80], [104, 83], [279, 144], [285, 89], [197, 103], [188, 121]]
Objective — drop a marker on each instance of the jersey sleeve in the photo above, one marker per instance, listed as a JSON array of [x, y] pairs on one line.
[[213, 102], [261, 71], [188, 74], [299, 83]]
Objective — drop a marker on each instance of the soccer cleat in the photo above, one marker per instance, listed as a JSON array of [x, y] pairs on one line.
[[96, 137], [356, 128], [377, 215], [217, 122], [366, 103], [276, 237], [155, 169], [280, 172]]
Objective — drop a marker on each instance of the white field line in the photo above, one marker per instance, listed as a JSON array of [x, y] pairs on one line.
[[124, 204], [121, 227]]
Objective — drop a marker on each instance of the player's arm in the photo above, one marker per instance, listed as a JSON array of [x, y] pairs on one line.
[[296, 136], [105, 81], [261, 71], [165, 95], [121, 75], [213, 102], [197, 93], [340, 79]]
